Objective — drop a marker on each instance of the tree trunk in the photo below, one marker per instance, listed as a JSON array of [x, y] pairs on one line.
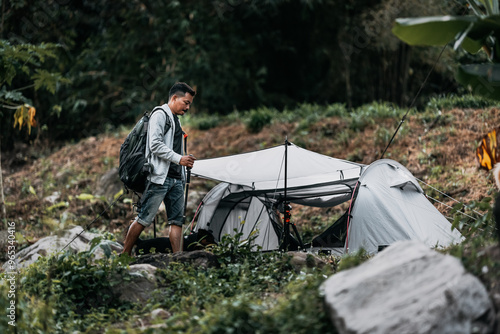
[[348, 87], [406, 57], [2, 197], [2, 20]]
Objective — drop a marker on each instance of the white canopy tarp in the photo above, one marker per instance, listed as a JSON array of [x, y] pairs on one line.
[[312, 178]]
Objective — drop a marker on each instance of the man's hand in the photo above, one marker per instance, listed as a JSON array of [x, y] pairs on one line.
[[188, 161]]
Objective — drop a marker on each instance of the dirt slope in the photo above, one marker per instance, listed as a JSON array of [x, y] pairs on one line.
[[438, 150]]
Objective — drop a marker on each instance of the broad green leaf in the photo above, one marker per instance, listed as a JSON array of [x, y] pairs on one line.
[[482, 79], [485, 27], [438, 30], [471, 46], [461, 36]]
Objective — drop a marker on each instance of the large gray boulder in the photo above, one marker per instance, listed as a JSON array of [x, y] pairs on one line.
[[140, 285], [408, 288], [73, 239], [109, 185], [301, 260]]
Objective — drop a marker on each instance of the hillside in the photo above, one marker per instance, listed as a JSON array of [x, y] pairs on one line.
[[47, 192], [437, 147]]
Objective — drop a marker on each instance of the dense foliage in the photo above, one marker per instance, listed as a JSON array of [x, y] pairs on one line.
[[122, 56], [251, 292]]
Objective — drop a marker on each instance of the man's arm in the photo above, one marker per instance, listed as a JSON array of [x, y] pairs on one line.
[[188, 161]]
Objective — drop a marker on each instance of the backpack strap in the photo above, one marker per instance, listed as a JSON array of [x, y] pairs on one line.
[[168, 121]]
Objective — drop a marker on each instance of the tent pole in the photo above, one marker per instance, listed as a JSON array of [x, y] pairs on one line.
[[287, 208], [286, 204]]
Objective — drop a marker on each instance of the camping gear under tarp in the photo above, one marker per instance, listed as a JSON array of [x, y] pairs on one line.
[[388, 205], [229, 209]]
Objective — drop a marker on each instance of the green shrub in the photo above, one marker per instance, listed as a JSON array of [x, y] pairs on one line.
[[380, 110], [205, 121], [74, 286], [336, 110], [299, 309], [343, 137], [32, 315], [242, 271], [382, 137], [315, 226], [477, 225], [470, 221], [461, 102], [257, 119], [353, 259]]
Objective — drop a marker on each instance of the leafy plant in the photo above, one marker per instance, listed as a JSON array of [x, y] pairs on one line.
[[258, 118], [298, 309], [76, 284], [471, 33], [204, 121], [353, 259], [24, 60], [478, 251], [460, 102], [474, 218]]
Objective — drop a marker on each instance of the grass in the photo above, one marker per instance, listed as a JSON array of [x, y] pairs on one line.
[[304, 115], [462, 102]]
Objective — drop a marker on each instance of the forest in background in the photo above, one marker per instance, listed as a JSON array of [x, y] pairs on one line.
[[119, 58]]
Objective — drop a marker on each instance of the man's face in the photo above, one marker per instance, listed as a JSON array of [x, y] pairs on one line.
[[180, 104]]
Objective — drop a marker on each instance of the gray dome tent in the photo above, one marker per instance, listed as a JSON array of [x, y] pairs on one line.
[[387, 205], [391, 206]]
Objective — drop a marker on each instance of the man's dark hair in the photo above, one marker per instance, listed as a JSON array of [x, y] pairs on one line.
[[180, 89]]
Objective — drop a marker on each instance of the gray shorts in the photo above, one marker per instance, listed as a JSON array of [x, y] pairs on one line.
[[172, 194]]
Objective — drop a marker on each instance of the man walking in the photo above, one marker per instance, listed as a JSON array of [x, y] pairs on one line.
[[164, 147]]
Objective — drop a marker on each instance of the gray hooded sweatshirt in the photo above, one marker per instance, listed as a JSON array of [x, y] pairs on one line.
[[160, 145]]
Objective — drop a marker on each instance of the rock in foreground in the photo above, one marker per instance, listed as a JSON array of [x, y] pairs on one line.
[[408, 288]]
